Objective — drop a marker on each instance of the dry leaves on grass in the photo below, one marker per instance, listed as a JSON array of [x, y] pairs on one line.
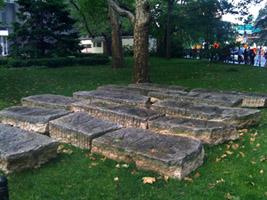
[[149, 180], [217, 182], [63, 149], [228, 196]]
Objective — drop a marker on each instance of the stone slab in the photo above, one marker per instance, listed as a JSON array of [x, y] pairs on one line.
[[120, 88], [219, 99], [127, 116], [48, 101], [79, 129], [171, 156], [250, 100], [181, 96], [21, 149], [30, 118], [211, 133], [240, 117], [114, 97], [145, 88]]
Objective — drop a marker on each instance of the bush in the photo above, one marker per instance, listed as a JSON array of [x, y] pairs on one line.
[[3, 61], [59, 62]]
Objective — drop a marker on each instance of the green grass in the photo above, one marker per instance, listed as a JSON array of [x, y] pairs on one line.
[[75, 176]]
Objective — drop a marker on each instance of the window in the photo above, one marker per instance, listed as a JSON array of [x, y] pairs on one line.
[[88, 46], [99, 44]]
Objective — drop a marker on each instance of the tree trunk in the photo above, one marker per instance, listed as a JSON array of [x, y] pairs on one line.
[[141, 42], [168, 28], [116, 47]]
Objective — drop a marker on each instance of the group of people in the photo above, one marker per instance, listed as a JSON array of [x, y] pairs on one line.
[[252, 56]]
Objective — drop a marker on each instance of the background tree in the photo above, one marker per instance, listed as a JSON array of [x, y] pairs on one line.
[[44, 29], [261, 22], [141, 21]]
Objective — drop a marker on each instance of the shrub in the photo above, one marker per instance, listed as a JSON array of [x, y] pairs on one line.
[[59, 62]]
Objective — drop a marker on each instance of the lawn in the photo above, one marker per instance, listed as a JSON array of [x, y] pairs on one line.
[[237, 170]]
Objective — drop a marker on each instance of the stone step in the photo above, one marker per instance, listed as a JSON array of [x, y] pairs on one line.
[[132, 99], [145, 88], [211, 133], [48, 101], [21, 149], [250, 100], [239, 117], [127, 116], [120, 88], [30, 118], [199, 98], [79, 129], [171, 156]]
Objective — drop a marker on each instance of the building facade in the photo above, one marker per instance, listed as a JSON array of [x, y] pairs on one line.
[[7, 18], [96, 45]]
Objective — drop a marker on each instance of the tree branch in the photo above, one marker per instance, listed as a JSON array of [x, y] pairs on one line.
[[83, 17], [121, 11]]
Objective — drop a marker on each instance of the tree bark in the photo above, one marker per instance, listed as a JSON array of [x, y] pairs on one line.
[[141, 21], [141, 42], [168, 28], [116, 46]]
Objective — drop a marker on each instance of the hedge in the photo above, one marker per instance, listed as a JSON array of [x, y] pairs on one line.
[[58, 62]]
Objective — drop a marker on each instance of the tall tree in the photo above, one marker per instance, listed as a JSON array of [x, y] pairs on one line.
[[44, 29], [141, 21], [99, 24], [117, 52]]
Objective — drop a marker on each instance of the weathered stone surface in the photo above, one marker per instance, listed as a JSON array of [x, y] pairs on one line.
[[48, 101], [127, 116], [114, 97], [181, 96], [240, 117], [145, 88], [172, 156], [208, 132], [79, 129], [30, 118], [120, 88], [21, 149], [218, 99], [251, 100]]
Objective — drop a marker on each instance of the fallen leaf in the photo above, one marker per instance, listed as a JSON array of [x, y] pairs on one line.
[[258, 145], [116, 179], [224, 156], [235, 146], [197, 175], [188, 179], [125, 165], [252, 139], [242, 154], [166, 178], [263, 158], [261, 171], [229, 152], [118, 166], [149, 180], [253, 162]]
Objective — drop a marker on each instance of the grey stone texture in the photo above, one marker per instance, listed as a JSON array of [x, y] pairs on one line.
[[198, 98], [250, 100], [127, 116], [79, 129], [171, 156], [30, 118], [119, 97], [48, 101], [21, 149], [145, 88], [211, 133], [120, 88], [240, 117]]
